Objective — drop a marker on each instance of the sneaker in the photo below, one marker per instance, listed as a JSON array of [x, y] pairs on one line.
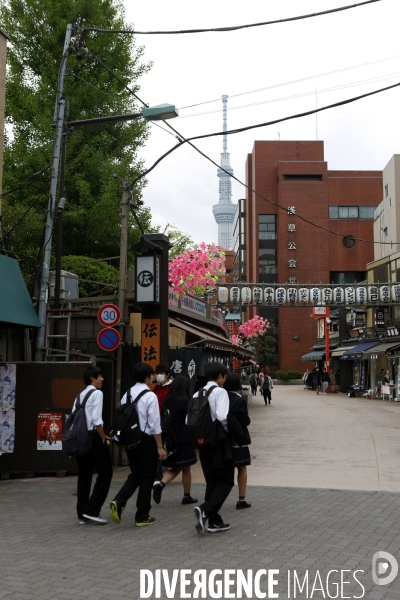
[[218, 527], [242, 504], [157, 491], [148, 521], [201, 519], [189, 500], [99, 519], [116, 511], [83, 521]]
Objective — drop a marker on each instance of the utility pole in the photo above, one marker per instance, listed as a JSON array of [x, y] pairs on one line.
[[59, 114], [61, 206], [123, 259]]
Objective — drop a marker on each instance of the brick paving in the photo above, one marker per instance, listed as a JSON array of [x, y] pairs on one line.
[[45, 553]]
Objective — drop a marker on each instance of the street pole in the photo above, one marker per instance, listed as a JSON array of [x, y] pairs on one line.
[[123, 259], [44, 282], [61, 205], [327, 349]]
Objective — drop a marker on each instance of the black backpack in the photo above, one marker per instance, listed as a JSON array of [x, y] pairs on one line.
[[199, 420], [126, 431], [76, 439], [169, 438]]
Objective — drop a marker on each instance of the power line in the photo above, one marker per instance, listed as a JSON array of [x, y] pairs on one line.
[[6, 235], [232, 28], [270, 87], [182, 140], [28, 182]]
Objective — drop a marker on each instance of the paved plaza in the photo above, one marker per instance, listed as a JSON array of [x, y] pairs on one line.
[[324, 493]]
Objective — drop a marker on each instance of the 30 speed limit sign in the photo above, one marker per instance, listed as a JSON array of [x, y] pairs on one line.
[[109, 315]]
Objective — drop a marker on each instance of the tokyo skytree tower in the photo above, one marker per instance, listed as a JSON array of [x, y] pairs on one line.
[[224, 211]]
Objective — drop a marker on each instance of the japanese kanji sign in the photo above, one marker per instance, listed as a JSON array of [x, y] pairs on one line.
[[151, 341], [147, 279]]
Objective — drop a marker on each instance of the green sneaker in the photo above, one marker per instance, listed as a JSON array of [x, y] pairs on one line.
[[116, 511], [148, 521]]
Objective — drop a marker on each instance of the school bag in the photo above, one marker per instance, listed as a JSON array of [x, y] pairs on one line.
[[76, 439], [199, 420], [126, 431]]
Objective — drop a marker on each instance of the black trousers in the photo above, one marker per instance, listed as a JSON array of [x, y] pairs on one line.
[[98, 458], [267, 395], [254, 390], [219, 484], [143, 462]]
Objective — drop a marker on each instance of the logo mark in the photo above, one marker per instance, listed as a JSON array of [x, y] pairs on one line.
[[380, 565], [145, 278]]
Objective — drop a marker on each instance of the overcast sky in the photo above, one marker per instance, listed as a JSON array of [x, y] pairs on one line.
[[196, 68]]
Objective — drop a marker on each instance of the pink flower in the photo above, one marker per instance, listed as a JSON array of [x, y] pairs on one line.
[[197, 269]]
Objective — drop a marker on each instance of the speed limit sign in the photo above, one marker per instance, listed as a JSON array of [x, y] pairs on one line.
[[109, 315]]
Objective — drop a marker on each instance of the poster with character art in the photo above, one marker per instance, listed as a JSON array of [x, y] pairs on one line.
[[7, 407], [49, 431]]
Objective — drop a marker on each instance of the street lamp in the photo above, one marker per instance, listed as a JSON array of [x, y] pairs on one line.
[[162, 112]]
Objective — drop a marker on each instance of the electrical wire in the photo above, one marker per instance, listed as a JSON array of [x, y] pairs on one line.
[[115, 175], [270, 87], [88, 83], [28, 182], [232, 28], [8, 233], [302, 95]]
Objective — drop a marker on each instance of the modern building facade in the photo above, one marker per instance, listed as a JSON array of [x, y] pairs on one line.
[[307, 229], [224, 211], [387, 214]]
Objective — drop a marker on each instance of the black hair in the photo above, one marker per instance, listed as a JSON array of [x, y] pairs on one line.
[[91, 372], [232, 383], [163, 369], [214, 370], [4, 365], [142, 371], [179, 387]]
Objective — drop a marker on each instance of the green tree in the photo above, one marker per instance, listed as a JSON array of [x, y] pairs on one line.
[[99, 158], [265, 347], [93, 276]]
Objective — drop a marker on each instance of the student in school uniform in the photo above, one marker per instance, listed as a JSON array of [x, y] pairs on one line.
[[89, 505], [143, 460], [216, 461]]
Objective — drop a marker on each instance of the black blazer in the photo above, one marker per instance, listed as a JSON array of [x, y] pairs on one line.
[[178, 406], [238, 408]]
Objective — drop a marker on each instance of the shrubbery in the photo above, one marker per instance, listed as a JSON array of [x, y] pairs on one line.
[[292, 374]]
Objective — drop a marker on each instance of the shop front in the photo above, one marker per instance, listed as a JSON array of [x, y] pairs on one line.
[[358, 371], [383, 371]]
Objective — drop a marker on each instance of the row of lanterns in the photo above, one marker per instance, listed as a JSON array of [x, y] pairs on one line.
[[373, 294]]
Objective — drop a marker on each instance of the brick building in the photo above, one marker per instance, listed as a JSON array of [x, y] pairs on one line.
[[282, 248]]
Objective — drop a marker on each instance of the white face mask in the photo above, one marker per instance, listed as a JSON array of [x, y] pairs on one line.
[[160, 378]]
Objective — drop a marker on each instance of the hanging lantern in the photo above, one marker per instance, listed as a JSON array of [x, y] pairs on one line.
[[384, 293], [257, 295], [280, 296], [315, 295], [303, 295], [292, 295], [350, 295], [361, 295], [246, 295], [269, 295], [327, 295], [235, 295], [223, 295], [373, 293], [338, 295], [396, 292]]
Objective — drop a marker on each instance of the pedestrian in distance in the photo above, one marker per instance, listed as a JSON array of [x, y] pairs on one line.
[[261, 381], [89, 504], [240, 453], [326, 380], [317, 380], [144, 458], [266, 389], [243, 376], [177, 402], [163, 378], [310, 380], [253, 383], [215, 454]]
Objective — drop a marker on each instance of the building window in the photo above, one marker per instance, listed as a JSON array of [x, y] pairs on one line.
[[267, 244], [351, 212], [349, 277], [386, 190], [385, 232]]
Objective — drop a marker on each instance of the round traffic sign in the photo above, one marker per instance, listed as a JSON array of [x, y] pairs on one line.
[[109, 315], [108, 339]]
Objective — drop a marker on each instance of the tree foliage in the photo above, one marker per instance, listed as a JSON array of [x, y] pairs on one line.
[[98, 158], [93, 276]]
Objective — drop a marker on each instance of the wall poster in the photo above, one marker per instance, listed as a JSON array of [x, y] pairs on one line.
[[7, 407], [49, 431]]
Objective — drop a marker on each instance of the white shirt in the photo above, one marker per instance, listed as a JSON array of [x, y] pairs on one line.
[[93, 407], [219, 403], [146, 408]]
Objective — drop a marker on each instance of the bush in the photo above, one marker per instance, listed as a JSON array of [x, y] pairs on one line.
[[284, 376], [272, 374], [278, 373], [294, 374]]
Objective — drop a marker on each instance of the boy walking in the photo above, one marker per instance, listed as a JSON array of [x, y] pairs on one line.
[[217, 468]]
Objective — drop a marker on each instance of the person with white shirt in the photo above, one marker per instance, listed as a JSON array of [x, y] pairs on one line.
[[99, 459], [218, 469], [143, 460]]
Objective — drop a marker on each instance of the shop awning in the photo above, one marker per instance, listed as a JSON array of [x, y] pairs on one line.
[[341, 351], [16, 307], [358, 352], [378, 351], [210, 337], [314, 355]]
